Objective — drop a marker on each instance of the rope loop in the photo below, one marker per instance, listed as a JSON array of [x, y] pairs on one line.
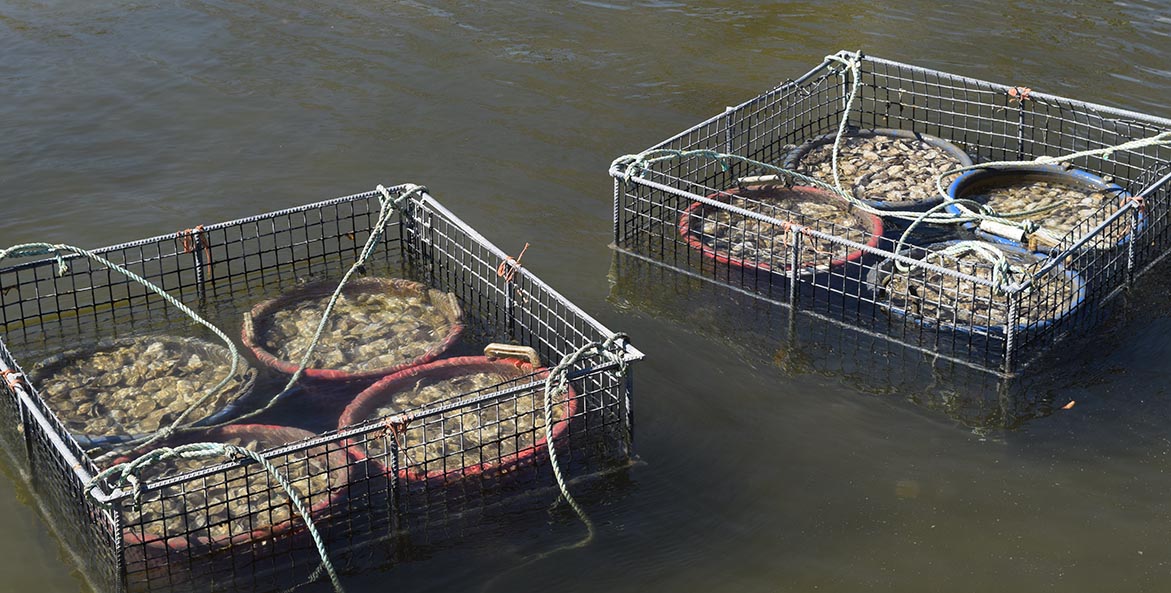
[[128, 474], [557, 384]]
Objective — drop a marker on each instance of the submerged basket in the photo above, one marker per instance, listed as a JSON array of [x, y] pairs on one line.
[[928, 291], [197, 516], [232, 401], [972, 183], [451, 430], [874, 186], [713, 230], [259, 320]]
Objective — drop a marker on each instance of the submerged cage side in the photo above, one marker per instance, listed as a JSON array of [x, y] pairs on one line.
[[372, 493], [990, 122]]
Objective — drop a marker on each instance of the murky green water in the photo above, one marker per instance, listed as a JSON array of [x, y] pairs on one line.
[[129, 119]]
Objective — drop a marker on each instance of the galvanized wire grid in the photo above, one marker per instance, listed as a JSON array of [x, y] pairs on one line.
[[371, 501], [982, 118], [799, 343]]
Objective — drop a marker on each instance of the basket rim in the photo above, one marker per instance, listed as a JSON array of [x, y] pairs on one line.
[[390, 385], [689, 233], [883, 267], [293, 525], [233, 400], [250, 332]]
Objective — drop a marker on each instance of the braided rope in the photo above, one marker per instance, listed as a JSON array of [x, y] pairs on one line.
[[56, 250], [855, 73], [127, 474], [556, 384]]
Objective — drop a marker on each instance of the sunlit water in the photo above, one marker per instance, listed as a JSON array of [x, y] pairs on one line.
[[128, 119]]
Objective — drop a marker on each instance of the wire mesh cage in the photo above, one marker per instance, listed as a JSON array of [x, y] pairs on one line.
[[795, 343], [710, 205], [226, 523]]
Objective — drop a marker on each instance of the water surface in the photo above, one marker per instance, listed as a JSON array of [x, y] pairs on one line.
[[127, 119]]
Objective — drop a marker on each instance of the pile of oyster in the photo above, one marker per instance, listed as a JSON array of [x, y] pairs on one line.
[[760, 242], [135, 386], [483, 433], [960, 302], [227, 505], [1056, 207], [370, 328], [880, 168]]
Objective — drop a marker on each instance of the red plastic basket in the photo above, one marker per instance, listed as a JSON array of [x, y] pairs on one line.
[[255, 320], [368, 401], [155, 546], [696, 212]]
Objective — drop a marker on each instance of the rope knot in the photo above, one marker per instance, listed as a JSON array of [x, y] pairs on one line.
[[626, 164]]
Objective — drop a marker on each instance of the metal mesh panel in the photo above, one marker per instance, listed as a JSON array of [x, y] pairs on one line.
[[661, 210], [224, 523], [799, 343]]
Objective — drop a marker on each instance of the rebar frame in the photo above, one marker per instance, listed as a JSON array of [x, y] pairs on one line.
[[987, 121], [372, 504]]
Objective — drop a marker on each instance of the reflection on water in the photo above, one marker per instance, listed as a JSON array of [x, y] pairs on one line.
[[874, 363], [767, 463]]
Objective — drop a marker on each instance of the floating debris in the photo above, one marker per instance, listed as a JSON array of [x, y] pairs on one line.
[[1058, 201], [237, 504], [730, 237], [135, 386], [469, 438], [890, 169], [934, 297], [378, 326]]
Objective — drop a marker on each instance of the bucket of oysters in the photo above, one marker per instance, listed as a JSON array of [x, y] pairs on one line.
[[755, 241], [948, 298], [887, 169], [238, 505], [127, 389], [491, 437], [1063, 204], [378, 326]]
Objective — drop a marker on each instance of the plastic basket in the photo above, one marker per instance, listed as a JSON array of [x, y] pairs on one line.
[[259, 318], [231, 403], [524, 446]]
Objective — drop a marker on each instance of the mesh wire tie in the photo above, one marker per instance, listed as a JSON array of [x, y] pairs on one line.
[[397, 429], [12, 378], [1020, 94], [508, 268], [188, 238], [1139, 202]]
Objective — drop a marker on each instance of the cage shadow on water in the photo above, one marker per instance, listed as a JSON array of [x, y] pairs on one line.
[[991, 122], [222, 270]]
